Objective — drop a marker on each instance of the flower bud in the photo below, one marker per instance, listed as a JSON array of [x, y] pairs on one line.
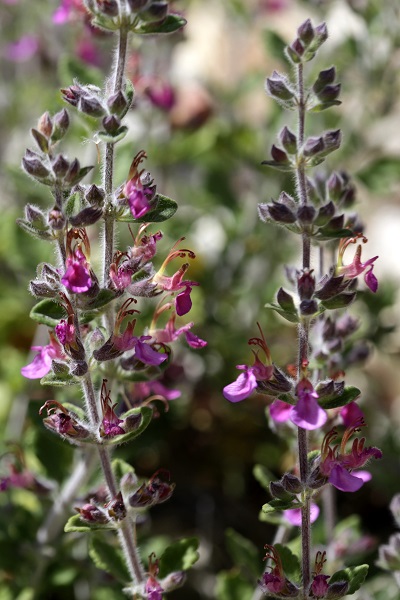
[[329, 287], [116, 508], [306, 285], [332, 140], [306, 32], [95, 195], [45, 125], [91, 513], [156, 13], [34, 216], [90, 106], [277, 211], [306, 214], [87, 216], [291, 483], [173, 581], [118, 104], [73, 172], [288, 140], [60, 125], [278, 87], [108, 8], [325, 77], [79, 368], [60, 166], [111, 124], [308, 308], [55, 218], [35, 167], [295, 51], [138, 5], [337, 590], [279, 155], [278, 491], [313, 146], [329, 93], [325, 214]]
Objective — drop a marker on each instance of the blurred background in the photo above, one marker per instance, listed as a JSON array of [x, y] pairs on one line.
[[203, 118]]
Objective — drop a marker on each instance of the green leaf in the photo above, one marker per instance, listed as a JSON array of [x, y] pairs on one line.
[[113, 138], [151, 372], [290, 562], [284, 167], [165, 208], [39, 234], [76, 524], [70, 68], [274, 44], [289, 316], [78, 410], [147, 414], [72, 205], [169, 25], [270, 517], [328, 233], [102, 299], [231, 585], [121, 468], [349, 394], [59, 379], [274, 505], [288, 398], [108, 558], [324, 105], [243, 552], [263, 476], [355, 576], [179, 556], [47, 313], [381, 175]]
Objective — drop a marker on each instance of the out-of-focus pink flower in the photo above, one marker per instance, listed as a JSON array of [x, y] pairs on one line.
[[23, 49], [351, 413], [280, 411], [67, 10], [356, 267], [160, 93], [88, 52], [293, 515], [41, 364], [170, 334]]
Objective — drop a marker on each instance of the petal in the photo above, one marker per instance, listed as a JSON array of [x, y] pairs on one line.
[[194, 341], [183, 302], [280, 411], [293, 515], [343, 480], [351, 413], [371, 281], [147, 355], [39, 367], [364, 475], [308, 414], [241, 388]]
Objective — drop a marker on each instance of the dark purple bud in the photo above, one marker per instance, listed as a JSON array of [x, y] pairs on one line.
[[95, 195], [285, 300], [34, 215], [50, 273], [325, 214], [72, 94], [60, 125], [87, 216], [111, 124], [337, 590], [287, 201], [306, 214], [278, 87], [288, 140], [281, 213], [91, 106], [117, 104], [316, 480], [335, 185], [173, 581], [306, 285], [321, 35], [41, 141], [56, 219], [73, 172], [332, 140], [291, 483], [346, 325], [313, 146], [91, 513], [306, 32], [107, 7], [337, 223], [308, 308], [156, 13], [278, 491], [325, 77], [329, 93], [60, 166], [42, 289], [132, 422], [359, 353], [138, 5], [349, 197], [330, 287], [79, 368], [35, 167], [279, 155]]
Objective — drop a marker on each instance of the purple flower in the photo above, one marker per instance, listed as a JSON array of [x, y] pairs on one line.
[[170, 334], [319, 585], [246, 383], [110, 424], [146, 354], [351, 414], [160, 94], [356, 267], [77, 277], [275, 582], [293, 515], [307, 413], [152, 588], [23, 49], [280, 411], [337, 465], [139, 191], [41, 364]]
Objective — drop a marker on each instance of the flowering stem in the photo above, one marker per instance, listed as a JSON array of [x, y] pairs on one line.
[[109, 161], [302, 434]]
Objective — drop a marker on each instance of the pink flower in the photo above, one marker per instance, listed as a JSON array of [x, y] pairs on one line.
[[275, 582], [351, 414], [77, 277], [280, 411], [307, 413], [293, 515], [41, 364], [356, 267], [160, 94], [337, 465], [139, 190], [170, 334], [319, 585], [23, 49], [67, 10], [152, 588], [110, 424]]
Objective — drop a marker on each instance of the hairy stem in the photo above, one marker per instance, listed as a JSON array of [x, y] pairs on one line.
[[302, 435]]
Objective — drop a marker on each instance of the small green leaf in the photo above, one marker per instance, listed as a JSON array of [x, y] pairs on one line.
[[109, 138], [231, 585], [70, 68], [147, 414], [288, 398], [40, 140], [76, 524], [289, 316], [355, 576], [170, 24], [279, 505], [121, 468], [72, 205], [286, 302], [284, 167], [78, 410], [243, 552], [328, 233], [108, 558], [102, 299], [274, 44], [47, 313], [270, 517], [179, 556], [59, 379], [290, 562], [151, 372], [324, 105], [39, 234], [349, 394]]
